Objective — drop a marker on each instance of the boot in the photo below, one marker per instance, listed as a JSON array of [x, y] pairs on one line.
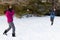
[[5, 32], [13, 35], [52, 23]]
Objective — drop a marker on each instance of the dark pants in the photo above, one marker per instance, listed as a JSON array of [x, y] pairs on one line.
[[52, 20], [11, 25]]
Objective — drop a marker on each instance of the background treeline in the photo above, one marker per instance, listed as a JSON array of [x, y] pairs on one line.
[[34, 7]]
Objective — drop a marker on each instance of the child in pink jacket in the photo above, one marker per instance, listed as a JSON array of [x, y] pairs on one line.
[[9, 15]]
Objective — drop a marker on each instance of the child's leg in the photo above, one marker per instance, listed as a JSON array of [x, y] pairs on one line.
[[13, 29], [51, 21], [7, 29]]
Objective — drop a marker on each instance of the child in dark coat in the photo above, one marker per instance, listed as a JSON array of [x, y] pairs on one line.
[[52, 15]]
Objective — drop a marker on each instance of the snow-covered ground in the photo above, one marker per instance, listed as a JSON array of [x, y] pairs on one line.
[[32, 28]]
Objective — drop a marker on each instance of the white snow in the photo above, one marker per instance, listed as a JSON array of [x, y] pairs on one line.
[[32, 28]]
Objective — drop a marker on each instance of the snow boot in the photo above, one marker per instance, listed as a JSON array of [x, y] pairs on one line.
[[52, 23], [5, 32], [13, 35]]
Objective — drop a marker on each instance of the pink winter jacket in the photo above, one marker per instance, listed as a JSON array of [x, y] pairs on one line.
[[9, 15]]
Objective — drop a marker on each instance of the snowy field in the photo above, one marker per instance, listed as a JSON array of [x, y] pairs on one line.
[[32, 28]]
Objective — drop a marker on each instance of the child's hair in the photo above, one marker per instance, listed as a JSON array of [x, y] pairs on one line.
[[10, 8]]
